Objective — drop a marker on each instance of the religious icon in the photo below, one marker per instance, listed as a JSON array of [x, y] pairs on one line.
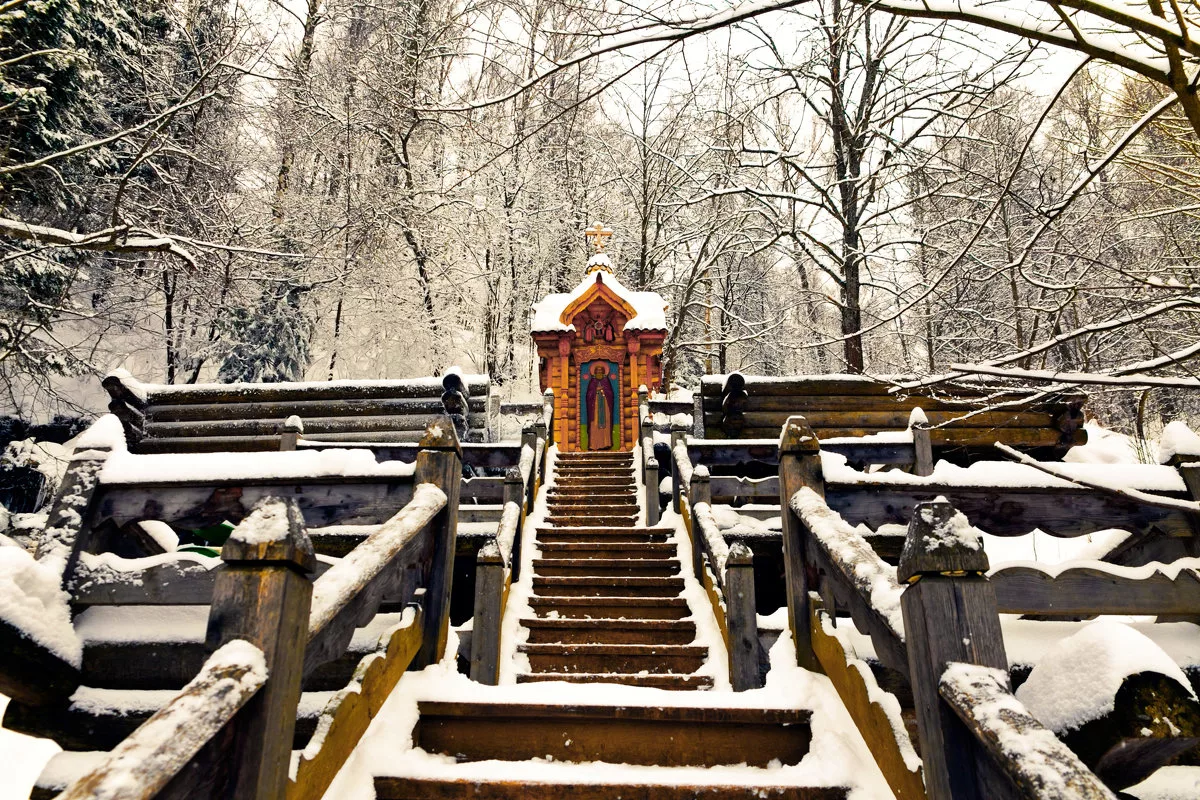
[[599, 403]]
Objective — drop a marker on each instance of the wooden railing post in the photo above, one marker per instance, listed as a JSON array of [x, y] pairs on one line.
[[699, 491], [950, 615], [493, 415], [799, 467], [651, 480], [485, 629], [128, 404], [439, 462], [529, 438], [646, 436], [918, 425], [643, 401], [262, 595], [515, 492], [741, 619], [293, 429], [678, 434], [548, 415]]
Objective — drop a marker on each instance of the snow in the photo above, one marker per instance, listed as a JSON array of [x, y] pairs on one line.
[[952, 533], [267, 522], [251, 389], [650, 310], [1169, 783], [160, 532], [23, 758], [1178, 440], [105, 433], [1104, 447], [1077, 680], [159, 624], [1009, 475], [917, 417], [124, 468], [32, 601], [882, 437]]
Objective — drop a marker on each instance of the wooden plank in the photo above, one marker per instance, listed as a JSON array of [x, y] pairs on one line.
[[745, 652], [866, 452], [946, 437], [1006, 512], [345, 720], [314, 390], [799, 468], [194, 412], [31, 673], [313, 427], [490, 588], [878, 729], [896, 419], [178, 583], [730, 453], [1088, 591], [324, 501]]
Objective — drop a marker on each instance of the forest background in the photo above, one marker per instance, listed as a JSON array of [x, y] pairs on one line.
[[316, 189]]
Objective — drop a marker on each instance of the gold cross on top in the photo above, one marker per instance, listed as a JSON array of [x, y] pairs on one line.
[[598, 233]]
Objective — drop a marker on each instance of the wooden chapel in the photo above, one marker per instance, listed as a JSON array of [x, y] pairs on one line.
[[596, 345]]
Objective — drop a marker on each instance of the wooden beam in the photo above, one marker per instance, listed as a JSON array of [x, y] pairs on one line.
[[1087, 591]]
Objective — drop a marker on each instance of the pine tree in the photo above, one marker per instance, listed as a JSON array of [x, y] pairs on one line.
[[269, 343]]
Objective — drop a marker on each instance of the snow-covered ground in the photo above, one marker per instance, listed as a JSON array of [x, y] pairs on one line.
[[23, 758]]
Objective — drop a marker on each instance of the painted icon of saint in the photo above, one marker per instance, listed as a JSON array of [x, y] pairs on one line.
[[600, 408]]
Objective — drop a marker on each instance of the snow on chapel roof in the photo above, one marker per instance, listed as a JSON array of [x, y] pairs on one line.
[[650, 310]]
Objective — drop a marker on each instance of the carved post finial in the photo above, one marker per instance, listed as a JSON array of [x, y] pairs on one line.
[[797, 437], [940, 541]]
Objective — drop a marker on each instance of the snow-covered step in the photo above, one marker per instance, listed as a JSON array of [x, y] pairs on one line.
[[607, 567], [617, 607], [610, 631], [593, 533], [623, 658], [387, 788], [687, 735], [605, 550], [664, 680]]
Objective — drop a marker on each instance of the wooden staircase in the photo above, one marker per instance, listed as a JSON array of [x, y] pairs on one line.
[[608, 608], [607, 592]]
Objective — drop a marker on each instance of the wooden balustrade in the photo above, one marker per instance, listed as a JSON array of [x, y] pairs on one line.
[[239, 713]]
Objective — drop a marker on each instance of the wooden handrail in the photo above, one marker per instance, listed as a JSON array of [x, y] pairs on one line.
[[143, 765], [1036, 763], [350, 593]]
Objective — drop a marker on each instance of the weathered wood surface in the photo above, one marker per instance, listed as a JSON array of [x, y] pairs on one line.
[[322, 501], [722, 453], [745, 652], [893, 420], [31, 673], [439, 464], [947, 617], [143, 765], [952, 437], [262, 596], [1087, 591], [344, 722], [878, 729], [1063, 512], [358, 584], [313, 426], [799, 468], [305, 409], [490, 586], [1031, 757], [290, 392], [70, 524]]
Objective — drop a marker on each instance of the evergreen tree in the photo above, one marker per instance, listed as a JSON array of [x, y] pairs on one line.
[[269, 343]]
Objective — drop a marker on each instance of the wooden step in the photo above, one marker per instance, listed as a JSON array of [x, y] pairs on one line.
[[594, 455], [581, 509], [628, 498], [610, 631], [604, 568], [679, 683], [604, 550], [608, 521], [608, 587], [584, 487], [593, 533], [387, 788], [625, 607], [630, 658], [592, 471], [652, 735], [100, 719]]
